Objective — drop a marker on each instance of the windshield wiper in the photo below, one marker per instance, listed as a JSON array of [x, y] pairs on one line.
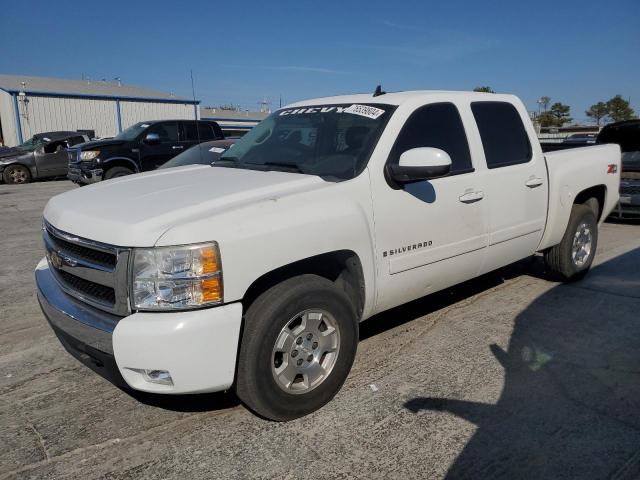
[[290, 166]]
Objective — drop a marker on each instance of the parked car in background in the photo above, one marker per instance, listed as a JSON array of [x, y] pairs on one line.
[[203, 154], [142, 147], [627, 135], [581, 139], [42, 156]]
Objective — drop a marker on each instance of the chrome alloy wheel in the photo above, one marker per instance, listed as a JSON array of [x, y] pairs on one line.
[[582, 244], [306, 351]]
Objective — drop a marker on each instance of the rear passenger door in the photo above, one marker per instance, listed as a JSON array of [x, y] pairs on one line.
[[154, 155], [515, 182], [194, 133]]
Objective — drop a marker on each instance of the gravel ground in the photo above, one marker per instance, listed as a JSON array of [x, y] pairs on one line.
[[508, 376]]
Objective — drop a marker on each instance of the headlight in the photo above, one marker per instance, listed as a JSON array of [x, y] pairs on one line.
[[174, 278], [89, 154]]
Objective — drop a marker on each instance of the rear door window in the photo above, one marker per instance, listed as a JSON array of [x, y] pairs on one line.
[[437, 125], [504, 138], [204, 132]]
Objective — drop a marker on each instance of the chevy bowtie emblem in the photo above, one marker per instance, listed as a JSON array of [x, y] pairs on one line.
[[56, 261]]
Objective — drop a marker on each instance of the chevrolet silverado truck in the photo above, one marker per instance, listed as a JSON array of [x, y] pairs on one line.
[[253, 273], [142, 147]]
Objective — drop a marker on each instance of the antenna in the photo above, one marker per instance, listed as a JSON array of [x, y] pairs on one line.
[[195, 114], [378, 91]]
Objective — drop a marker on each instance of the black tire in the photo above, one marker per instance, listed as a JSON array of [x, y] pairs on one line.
[[559, 259], [264, 322], [115, 172], [14, 174]]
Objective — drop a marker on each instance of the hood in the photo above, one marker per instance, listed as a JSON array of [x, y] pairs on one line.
[[11, 152], [100, 143], [134, 211]]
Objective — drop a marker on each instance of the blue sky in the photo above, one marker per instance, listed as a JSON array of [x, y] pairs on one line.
[[577, 52]]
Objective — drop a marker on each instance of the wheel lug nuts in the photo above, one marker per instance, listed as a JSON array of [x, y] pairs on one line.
[[294, 353], [299, 362], [309, 336], [299, 340], [309, 358], [314, 345]]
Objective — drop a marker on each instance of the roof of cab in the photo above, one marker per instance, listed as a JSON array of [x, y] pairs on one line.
[[398, 98]]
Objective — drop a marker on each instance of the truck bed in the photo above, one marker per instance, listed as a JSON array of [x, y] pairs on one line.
[[571, 172]]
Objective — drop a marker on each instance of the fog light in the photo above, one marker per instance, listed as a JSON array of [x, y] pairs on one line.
[[162, 377]]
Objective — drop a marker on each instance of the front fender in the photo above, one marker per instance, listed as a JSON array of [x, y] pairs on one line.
[[259, 238]]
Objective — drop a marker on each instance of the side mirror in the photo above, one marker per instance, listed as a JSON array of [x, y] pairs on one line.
[[152, 138], [419, 164]]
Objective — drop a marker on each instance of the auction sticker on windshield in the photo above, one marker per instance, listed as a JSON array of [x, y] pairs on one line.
[[364, 111]]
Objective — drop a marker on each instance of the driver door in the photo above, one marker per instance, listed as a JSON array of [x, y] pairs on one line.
[[156, 154], [52, 159], [430, 234]]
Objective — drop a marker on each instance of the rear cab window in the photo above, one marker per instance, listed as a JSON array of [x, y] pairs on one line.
[[504, 138]]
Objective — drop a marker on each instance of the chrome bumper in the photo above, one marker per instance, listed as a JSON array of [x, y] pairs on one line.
[[87, 325], [77, 175]]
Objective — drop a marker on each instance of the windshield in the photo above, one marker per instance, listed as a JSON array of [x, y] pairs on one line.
[[203, 154], [132, 132], [31, 145], [331, 141]]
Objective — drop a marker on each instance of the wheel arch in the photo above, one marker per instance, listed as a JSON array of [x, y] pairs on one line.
[[343, 267], [590, 196], [120, 162]]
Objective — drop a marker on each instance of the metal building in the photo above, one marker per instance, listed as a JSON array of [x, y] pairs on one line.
[[30, 105]]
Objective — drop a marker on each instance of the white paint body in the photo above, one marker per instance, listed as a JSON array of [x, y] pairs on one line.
[[265, 220]]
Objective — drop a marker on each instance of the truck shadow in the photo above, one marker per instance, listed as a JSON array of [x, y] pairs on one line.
[[570, 405], [408, 312]]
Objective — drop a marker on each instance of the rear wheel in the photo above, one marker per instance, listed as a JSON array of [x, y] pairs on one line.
[[571, 259], [298, 345], [116, 172], [16, 174]]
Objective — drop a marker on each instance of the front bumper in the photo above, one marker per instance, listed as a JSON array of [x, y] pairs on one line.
[[198, 348], [78, 175]]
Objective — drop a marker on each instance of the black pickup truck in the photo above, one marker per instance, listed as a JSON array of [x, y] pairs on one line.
[[142, 147]]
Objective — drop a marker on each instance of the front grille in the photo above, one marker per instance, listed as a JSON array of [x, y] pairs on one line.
[[630, 189], [93, 272], [73, 154], [95, 291], [85, 253]]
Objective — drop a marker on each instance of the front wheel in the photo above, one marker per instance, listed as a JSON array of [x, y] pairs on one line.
[[299, 342], [116, 172], [16, 174], [571, 259]]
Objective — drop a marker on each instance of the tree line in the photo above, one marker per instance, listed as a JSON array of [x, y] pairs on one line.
[[558, 114]]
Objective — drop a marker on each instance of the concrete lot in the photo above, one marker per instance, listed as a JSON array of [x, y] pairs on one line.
[[508, 376]]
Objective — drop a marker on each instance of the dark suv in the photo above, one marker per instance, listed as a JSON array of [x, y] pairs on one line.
[[140, 148]]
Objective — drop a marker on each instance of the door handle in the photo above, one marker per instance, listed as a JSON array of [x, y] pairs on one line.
[[471, 197], [533, 182], [177, 147]]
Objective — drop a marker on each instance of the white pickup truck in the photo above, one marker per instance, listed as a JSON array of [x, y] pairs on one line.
[[254, 273]]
